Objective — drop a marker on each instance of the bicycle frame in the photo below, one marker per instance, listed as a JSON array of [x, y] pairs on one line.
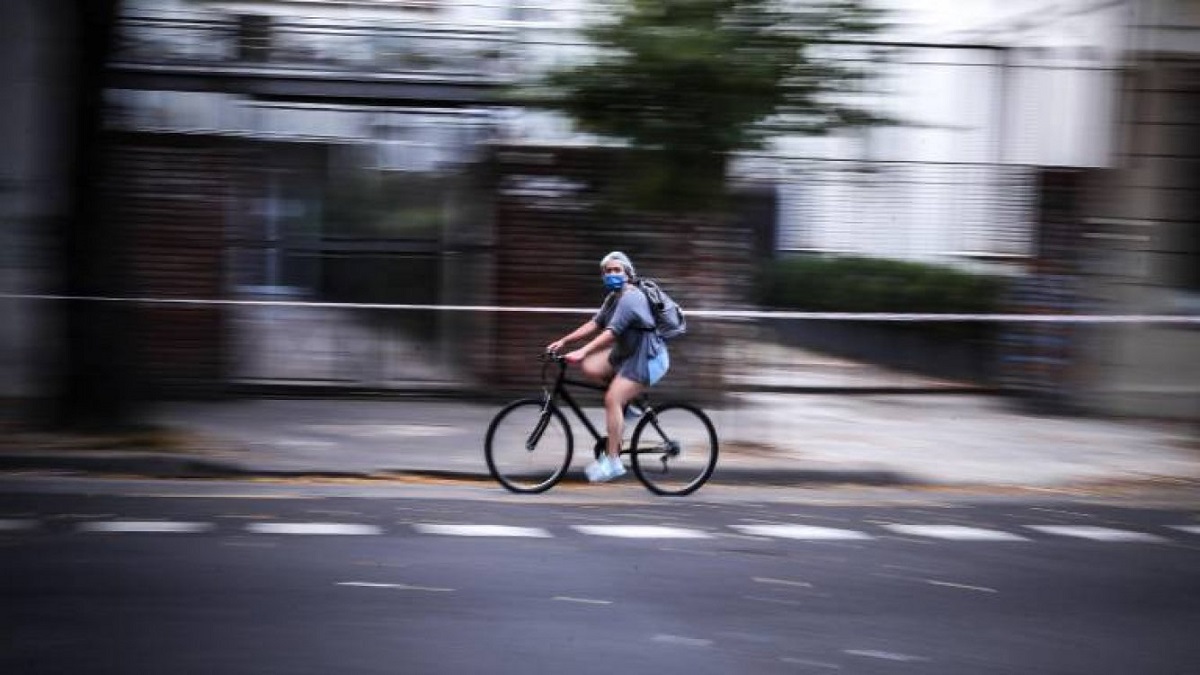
[[560, 392]]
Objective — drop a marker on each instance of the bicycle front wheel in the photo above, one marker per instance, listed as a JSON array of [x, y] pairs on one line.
[[674, 449], [528, 448]]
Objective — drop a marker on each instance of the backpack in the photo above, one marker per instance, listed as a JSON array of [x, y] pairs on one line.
[[669, 321]]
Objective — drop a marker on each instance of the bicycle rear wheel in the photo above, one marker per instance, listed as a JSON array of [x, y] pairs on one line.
[[528, 449], [674, 449]]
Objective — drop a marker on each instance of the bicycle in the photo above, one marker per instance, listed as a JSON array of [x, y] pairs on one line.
[[529, 444]]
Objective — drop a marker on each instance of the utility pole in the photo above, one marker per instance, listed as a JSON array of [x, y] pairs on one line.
[[94, 369]]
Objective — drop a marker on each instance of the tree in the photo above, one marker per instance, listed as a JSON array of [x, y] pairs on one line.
[[687, 83]]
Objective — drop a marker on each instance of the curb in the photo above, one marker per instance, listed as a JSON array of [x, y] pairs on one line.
[[148, 465], [192, 467]]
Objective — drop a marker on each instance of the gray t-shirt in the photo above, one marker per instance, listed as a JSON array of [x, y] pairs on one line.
[[630, 318]]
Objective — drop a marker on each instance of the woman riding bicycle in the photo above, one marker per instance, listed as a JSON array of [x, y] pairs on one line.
[[627, 356]]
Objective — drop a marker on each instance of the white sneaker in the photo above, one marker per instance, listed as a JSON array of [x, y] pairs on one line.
[[615, 468], [604, 469], [597, 470]]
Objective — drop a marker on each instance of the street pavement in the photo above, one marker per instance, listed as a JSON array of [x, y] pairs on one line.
[[169, 581], [769, 434]]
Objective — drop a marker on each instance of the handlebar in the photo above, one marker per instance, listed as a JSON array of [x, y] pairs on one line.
[[548, 357]]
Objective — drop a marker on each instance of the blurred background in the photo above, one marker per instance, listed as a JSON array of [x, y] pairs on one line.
[[166, 158]]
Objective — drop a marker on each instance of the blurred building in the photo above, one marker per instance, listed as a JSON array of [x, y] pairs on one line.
[[1140, 252], [319, 151], [32, 188], [362, 152]]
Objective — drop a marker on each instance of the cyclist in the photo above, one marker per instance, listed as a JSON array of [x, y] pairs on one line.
[[627, 356]]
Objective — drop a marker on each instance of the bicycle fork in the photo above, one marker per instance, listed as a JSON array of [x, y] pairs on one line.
[[540, 427]]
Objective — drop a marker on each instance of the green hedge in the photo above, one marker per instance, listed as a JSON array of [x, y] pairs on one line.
[[846, 284]]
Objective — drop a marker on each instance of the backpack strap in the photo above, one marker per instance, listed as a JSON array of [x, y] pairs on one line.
[[653, 327]]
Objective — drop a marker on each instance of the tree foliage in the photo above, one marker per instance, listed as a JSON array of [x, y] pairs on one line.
[[689, 82]]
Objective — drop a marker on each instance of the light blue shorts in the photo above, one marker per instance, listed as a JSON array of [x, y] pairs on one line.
[[658, 366]]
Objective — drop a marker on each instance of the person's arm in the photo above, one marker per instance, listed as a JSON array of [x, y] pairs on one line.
[[583, 331], [602, 341]]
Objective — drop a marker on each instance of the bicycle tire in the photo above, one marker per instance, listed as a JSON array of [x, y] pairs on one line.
[[674, 449], [520, 469]]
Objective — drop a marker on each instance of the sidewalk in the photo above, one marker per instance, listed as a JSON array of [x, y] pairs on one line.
[[960, 440]]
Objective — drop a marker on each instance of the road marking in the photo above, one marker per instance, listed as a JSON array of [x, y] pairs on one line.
[[313, 528], [954, 532], [781, 582], [1192, 529], [806, 532], [155, 526], [399, 587], [642, 532], [480, 530], [776, 601], [1096, 533], [965, 587], [886, 656], [680, 640], [586, 601], [17, 525]]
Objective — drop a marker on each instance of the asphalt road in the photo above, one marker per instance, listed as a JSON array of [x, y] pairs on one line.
[[170, 578]]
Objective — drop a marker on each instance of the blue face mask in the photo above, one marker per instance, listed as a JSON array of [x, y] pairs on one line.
[[614, 282]]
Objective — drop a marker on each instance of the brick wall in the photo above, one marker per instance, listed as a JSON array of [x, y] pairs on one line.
[[551, 229], [169, 195]]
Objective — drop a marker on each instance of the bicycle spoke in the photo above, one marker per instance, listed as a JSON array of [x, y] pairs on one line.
[[674, 449], [528, 447]]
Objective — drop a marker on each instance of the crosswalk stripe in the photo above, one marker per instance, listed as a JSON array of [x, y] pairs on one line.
[[314, 528], [1096, 533], [642, 532], [149, 526], [769, 530], [480, 530], [807, 532], [954, 532]]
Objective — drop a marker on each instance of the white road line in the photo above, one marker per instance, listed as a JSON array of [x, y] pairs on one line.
[[585, 601], [313, 528], [399, 587], [965, 587], [17, 525], [155, 526], [1193, 529], [954, 532], [886, 656], [780, 582], [806, 532], [642, 532], [778, 601], [680, 640], [1096, 533], [480, 530]]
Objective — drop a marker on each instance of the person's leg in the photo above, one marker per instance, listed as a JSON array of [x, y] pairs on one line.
[[620, 391], [596, 366]]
